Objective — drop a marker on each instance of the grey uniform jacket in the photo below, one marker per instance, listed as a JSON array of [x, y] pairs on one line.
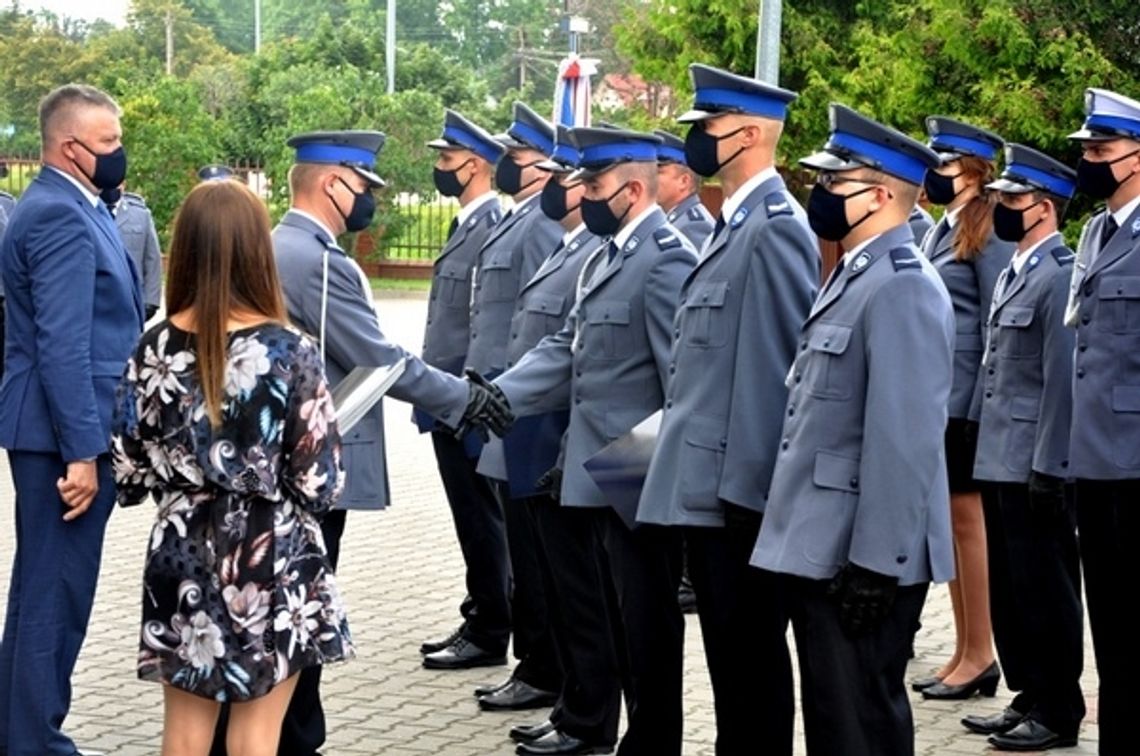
[[353, 338], [736, 332], [610, 361], [920, 224], [971, 286], [861, 472], [136, 226], [512, 253], [1105, 442], [1027, 373], [693, 220], [449, 304], [532, 447]]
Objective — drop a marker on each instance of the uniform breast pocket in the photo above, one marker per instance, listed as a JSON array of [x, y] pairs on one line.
[[544, 313], [1015, 337], [823, 370], [704, 315], [498, 279], [1119, 305], [454, 282], [608, 334]]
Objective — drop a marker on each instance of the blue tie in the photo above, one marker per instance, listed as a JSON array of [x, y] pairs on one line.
[[611, 251]]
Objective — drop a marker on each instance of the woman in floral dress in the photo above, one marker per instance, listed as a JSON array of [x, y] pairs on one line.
[[225, 418]]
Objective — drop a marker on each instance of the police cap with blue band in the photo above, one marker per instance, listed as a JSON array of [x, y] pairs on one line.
[[1027, 170], [215, 172], [564, 159], [1109, 115], [953, 139], [857, 141], [602, 149], [352, 149], [461, 134], [528, 131], [717, 92], [672, 149]]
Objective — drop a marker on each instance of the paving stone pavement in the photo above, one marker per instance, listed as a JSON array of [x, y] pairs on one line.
[[402, 577]]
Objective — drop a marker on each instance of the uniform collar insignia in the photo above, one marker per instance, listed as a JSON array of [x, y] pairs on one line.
[[861, 261], [739, 216], [1136, 228], [1035, 259], [632, 243]]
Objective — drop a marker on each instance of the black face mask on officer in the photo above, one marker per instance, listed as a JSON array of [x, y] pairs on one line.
[[701, 150], [111, 196], [508, 175], [110, 167], [1009, 224], [600, 218], [827, 213], [553, 200], [1097, 179], [359, 217], [447, 182], [939, 188]]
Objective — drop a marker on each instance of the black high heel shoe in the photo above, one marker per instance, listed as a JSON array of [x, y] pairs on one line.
[[985, 683], [920, 684]]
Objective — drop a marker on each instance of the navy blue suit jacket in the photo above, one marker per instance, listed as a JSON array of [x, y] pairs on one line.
[[74, 314]]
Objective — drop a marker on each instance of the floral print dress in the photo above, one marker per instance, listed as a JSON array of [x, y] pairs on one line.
[[238, 593]]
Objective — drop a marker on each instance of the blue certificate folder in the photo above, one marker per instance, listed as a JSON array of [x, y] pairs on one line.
[[619, 469], [360, 390]]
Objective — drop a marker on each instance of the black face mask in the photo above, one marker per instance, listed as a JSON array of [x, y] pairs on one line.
[[553, 200], [508, 175], [701, 149], [363, 208], [939, 188], [1009, 224], [600, 218], [110, 167], [111, 196], [1097, 180], [447, 182], [827, 213]]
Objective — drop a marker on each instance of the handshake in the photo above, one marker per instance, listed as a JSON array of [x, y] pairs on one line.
[[487, 409]]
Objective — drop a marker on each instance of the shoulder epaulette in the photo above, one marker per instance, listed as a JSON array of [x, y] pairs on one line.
[[667, 238], [134, 199], [777, 203], [1063, 255], [7, 195], [903, 258]]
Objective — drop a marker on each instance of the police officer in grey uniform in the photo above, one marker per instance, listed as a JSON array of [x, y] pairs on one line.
[[467, 155], [920, 223], [735, 335], [609, 365], [1104, 454], [136, 226], [327, 295], [514, 250], [678, 191], [1023, 450], [858, 521]]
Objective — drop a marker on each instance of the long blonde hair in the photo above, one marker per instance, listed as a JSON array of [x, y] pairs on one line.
[[221, 263]]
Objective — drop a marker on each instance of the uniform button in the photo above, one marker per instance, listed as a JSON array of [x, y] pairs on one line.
[[1085, 320], [791, 411], [803, 345], [677, 333], [723, 443], [578, 373], [577, 400], [1082, 347], [827, 342], [901, 559], [1065, 463], [669, 405], [434, 296], [672, 370], [474, 336], [989, 394], [785, 444], [993, 347], [606, 316], [705, 298], [991, 371], [1080, 372], [855, 482], [799, 377], [429, 321]]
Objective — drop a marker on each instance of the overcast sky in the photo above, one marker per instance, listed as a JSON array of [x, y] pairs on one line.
[[114, 11]]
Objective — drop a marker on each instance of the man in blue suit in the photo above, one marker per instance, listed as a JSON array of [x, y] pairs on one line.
[[74, 315]]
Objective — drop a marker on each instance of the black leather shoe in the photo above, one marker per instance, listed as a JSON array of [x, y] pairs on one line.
[[463, 654], [560, 742], [1031, 735], [920, 684], [486, 690], [986, 683], [995, 724], [517, 695], [530, 733], [431, 646]]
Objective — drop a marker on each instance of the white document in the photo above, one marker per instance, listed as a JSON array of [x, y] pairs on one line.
[[360, 390]]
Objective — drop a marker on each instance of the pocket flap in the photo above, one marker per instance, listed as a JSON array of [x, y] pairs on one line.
[[454, 271], [500, 261], [1024, 408], [1120, 287], [836, 471], [551, 304], [599, 313], [708, 294], [1126, 398], [830, 338], [1015, 317], [706, 432]]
